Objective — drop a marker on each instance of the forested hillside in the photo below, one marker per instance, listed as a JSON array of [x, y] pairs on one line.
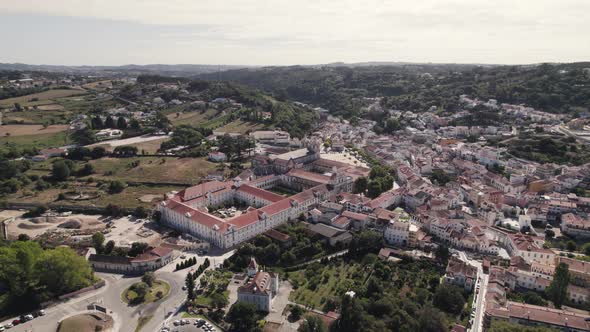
[[558, 88]]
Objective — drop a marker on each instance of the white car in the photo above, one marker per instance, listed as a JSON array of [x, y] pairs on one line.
[[176, 323]]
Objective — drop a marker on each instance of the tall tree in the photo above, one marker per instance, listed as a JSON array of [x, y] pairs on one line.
[[351, 316], [312, 323], [557, 290], [242, 317], [98, 242], [60, 170], [110, 122], [360, 185], [190, 287], [148, 278], [121, 123]]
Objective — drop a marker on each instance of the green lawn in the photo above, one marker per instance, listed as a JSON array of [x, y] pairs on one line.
[[129, 295], [205, 298]]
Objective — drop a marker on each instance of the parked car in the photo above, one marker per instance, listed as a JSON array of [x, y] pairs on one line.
[[16, 322], [176, 323], [9, 325]]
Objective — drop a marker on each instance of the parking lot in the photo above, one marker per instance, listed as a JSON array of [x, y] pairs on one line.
[[192, 326]]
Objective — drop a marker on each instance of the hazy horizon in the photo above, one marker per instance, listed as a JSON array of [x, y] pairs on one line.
[[283, 33]]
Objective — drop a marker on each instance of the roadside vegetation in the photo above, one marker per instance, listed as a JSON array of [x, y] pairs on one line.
[[33, 275]]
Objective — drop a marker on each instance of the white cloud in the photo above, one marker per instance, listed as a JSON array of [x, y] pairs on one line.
[[305, 31]]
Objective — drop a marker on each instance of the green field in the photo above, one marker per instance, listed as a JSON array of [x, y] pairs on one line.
[[41, 96], [80, 104], [40, 141], [154, 169], [195, 118], [241, 126]]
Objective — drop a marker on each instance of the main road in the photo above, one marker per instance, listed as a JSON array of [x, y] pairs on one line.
[[479, 290]]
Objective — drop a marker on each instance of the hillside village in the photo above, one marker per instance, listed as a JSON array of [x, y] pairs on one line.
[[225, 206]]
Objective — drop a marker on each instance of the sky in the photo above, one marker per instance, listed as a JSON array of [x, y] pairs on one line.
[[290, 32]]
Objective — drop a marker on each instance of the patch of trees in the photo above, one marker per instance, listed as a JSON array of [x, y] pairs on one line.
[[12, 176], [267, 253], [380, 180], [110, 122], [186, 263], [557, 290], [418, 87], [125, 151], [560, 150], [32, 275], [84, 136], [439, 177], [192, 277], [449, 298], [233, 147], [365, 242], [243, 317], [186, 135], [84, 153], [397, 297]]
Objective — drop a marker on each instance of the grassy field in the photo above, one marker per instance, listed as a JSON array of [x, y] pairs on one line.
[[154, 169], [41, 96], [158, 286], [40, 141], [26, 130], [196, 118], [100, 85], [240, 126], [128, 198], [58, 110]]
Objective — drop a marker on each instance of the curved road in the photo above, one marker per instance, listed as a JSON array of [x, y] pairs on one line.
[[109, 296]]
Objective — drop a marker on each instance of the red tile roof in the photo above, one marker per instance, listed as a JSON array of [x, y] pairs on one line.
[[310, 176], [276, 235], [201, 189], [245, 219], [277, 207], [260, 284], [260, 193]]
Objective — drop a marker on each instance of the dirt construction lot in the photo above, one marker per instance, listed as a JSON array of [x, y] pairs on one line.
[[26, 130], [124, 231], [87, 323], [34, 227]]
